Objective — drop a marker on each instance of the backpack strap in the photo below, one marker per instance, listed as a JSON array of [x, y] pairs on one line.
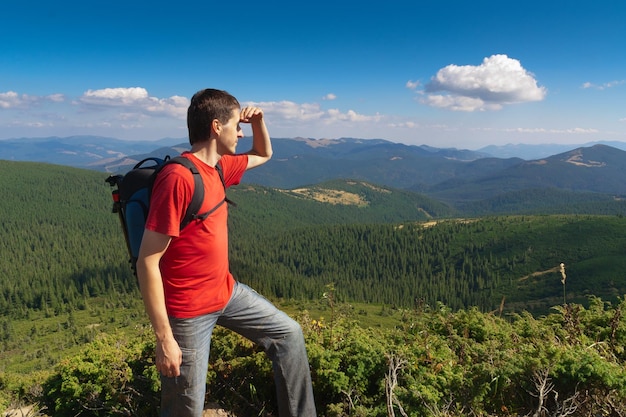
[[218, 168], [198, 190], [192, 212]]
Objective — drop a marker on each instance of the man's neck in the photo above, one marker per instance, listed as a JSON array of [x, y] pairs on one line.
[[206, 152]]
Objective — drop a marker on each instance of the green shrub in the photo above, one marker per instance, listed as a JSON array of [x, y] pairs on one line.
[[434, 363], [111, 376]]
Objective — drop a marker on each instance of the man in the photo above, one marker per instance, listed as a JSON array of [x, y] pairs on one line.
[[184, 275]]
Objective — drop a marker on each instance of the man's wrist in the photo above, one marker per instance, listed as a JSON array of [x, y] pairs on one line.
[[164, 334]]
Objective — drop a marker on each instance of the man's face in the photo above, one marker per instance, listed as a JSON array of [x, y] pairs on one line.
[[231, 132]]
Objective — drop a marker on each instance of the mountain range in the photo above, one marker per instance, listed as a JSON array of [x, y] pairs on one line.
[[461, 178]]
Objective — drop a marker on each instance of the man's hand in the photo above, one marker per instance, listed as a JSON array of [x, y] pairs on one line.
[[261, 150], [168, 357], [250, 114]]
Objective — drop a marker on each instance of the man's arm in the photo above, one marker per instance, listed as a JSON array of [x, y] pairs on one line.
[[168, 353], [261, 151]]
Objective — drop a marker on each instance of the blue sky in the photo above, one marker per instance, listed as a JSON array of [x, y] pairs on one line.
[[461, 74]]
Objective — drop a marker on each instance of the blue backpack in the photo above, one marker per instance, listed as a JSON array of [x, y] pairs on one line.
[[131, 199]]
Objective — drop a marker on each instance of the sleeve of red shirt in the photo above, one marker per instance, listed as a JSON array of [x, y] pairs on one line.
[[233, 167], [171, 194]]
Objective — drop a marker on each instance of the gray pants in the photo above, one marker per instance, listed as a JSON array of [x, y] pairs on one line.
[[255, 318]]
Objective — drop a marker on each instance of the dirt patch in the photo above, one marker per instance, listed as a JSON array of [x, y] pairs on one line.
[[540, 273], [429, 224], [26, 411], [214, 410], [577, 159], [373, 187], [331, 196]]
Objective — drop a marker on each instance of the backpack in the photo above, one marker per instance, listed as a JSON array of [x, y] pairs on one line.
[[131, 199]]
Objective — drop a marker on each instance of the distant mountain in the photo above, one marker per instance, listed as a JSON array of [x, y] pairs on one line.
[[76, 151], [584, 179], [300, 161], [104, 153], [529, 152], [597, 169]]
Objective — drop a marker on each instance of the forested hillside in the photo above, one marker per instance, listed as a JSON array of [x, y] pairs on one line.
[[491, 263], [58, 241], [417, 308], [61, 244]]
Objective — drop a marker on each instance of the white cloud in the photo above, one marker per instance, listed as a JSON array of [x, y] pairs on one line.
[[604, 86], [350, 116], [174, 106], [117, 112], [569, 131], [408, 124], [57, 98], [329, 96], [459, 103], [412, 85], [115, 96], [11, 99], [288, 111], [498, 81], [110, 111], [138, 100]]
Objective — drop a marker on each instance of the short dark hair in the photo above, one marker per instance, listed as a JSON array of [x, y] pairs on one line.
[[207, 105]]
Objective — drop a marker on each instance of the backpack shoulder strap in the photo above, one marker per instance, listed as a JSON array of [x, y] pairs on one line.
[[204, 215], [193, 210], [198, 190], [218, 168]]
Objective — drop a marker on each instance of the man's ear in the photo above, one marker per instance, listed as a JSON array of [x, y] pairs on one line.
[[216, 126]]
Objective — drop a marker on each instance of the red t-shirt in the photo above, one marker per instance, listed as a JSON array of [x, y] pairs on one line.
[[194, 268]]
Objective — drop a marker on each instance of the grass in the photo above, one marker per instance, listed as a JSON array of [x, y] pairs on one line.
[[41, 339], [38, 341]]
